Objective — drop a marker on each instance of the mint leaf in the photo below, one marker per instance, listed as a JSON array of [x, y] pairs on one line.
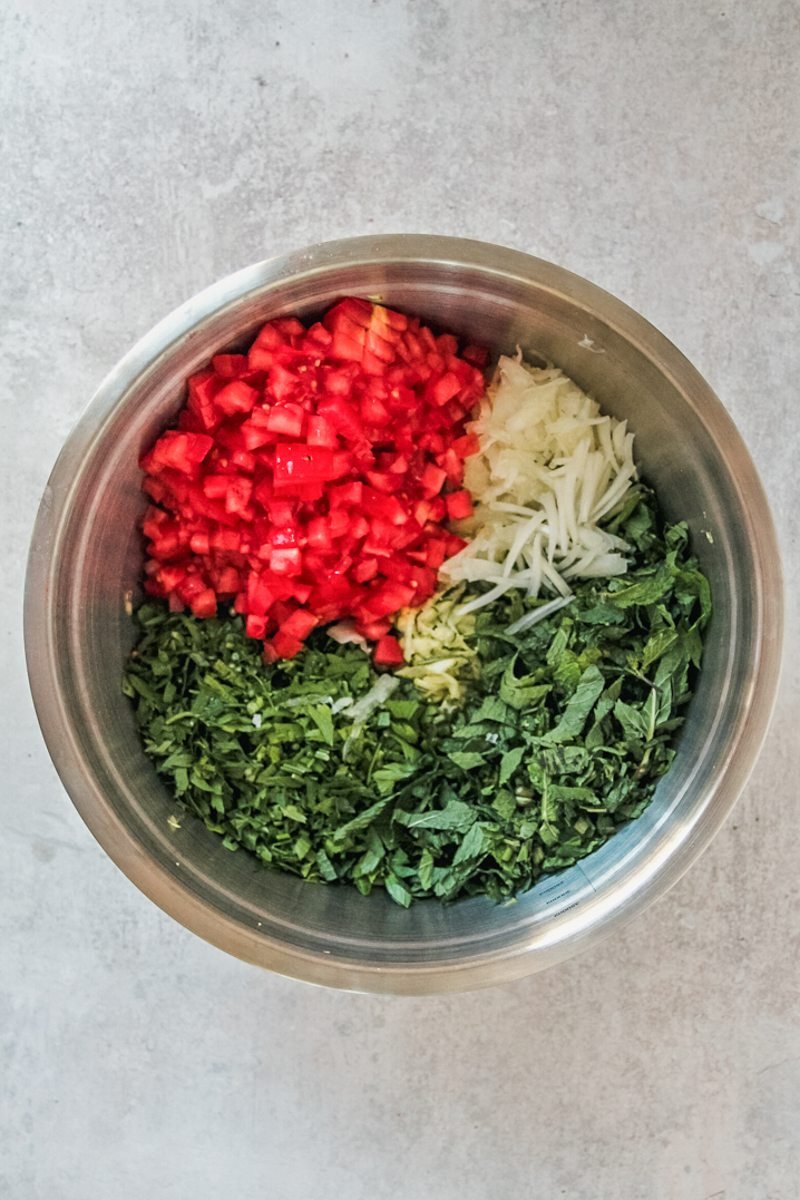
[[509, 763], [580, 704], [455, 816]]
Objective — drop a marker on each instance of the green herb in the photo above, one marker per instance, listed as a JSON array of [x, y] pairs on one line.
[[562, 735]]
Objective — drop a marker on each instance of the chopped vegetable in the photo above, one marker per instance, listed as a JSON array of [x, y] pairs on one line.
[[439, 646], [310, 480], [322, 767], [550, 468], [526, 679]]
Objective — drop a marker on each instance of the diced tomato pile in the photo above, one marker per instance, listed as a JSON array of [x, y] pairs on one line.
[[312, 478]]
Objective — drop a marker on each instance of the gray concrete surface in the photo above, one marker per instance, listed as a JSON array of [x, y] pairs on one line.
[[147, 150]]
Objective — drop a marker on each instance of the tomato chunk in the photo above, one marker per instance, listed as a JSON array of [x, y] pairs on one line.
[[282, 645], [299, 624], [321, 433], [204, 604], [459, 505], [299, 463], [286, 419], [388, 652], [236, 397], [180, 451]]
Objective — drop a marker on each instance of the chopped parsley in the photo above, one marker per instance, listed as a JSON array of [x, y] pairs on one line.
[[318, 767]]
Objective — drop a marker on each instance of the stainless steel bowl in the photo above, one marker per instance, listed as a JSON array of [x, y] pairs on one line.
[[86, 557]]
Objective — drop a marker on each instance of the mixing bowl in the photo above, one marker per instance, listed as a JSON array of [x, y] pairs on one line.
[[87, 555]]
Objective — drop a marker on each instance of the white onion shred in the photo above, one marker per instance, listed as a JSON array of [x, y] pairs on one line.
[[538, 614], [375, 698], [362, 710], [345, 634], [550, 467]]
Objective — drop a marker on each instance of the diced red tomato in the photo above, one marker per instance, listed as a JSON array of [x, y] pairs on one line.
[[374, 412], [459, 505], [300, 591], [453, 465], [319, 335], [347, 495], [171, 577], [359, 526], [202, 389], [236, 397], [284, 535], [339, 522], [286, 560], [230, 366], [343, 417], [167, 546], [299, 624], [436, 509], [228, 582], [255, 627], [345, 347], [321, 433], [243, 460], [238, 493], [477, 355], [388, 652], [375, 630], [226, 541], [204, 604], [282, 645], [432, 480], [181, 451], [466, 445], [382, 481], [298, 463], [365, 569], [318, 533], [389, 598], [305, 481], [281, 511], [290, 327], [260, 598], [216, 486], [445, 387], [454, 544], [286, 419]]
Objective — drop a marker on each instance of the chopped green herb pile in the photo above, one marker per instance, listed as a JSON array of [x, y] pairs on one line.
[[562, 736]]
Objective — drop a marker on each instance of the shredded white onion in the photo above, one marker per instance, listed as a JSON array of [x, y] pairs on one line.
[[375, 698], [538, 614], [550, 467]]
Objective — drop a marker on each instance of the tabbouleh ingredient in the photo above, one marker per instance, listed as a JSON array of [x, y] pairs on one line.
[[560, 733]]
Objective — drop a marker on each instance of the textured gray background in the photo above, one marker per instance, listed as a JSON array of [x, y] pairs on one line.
[[150, 148]]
